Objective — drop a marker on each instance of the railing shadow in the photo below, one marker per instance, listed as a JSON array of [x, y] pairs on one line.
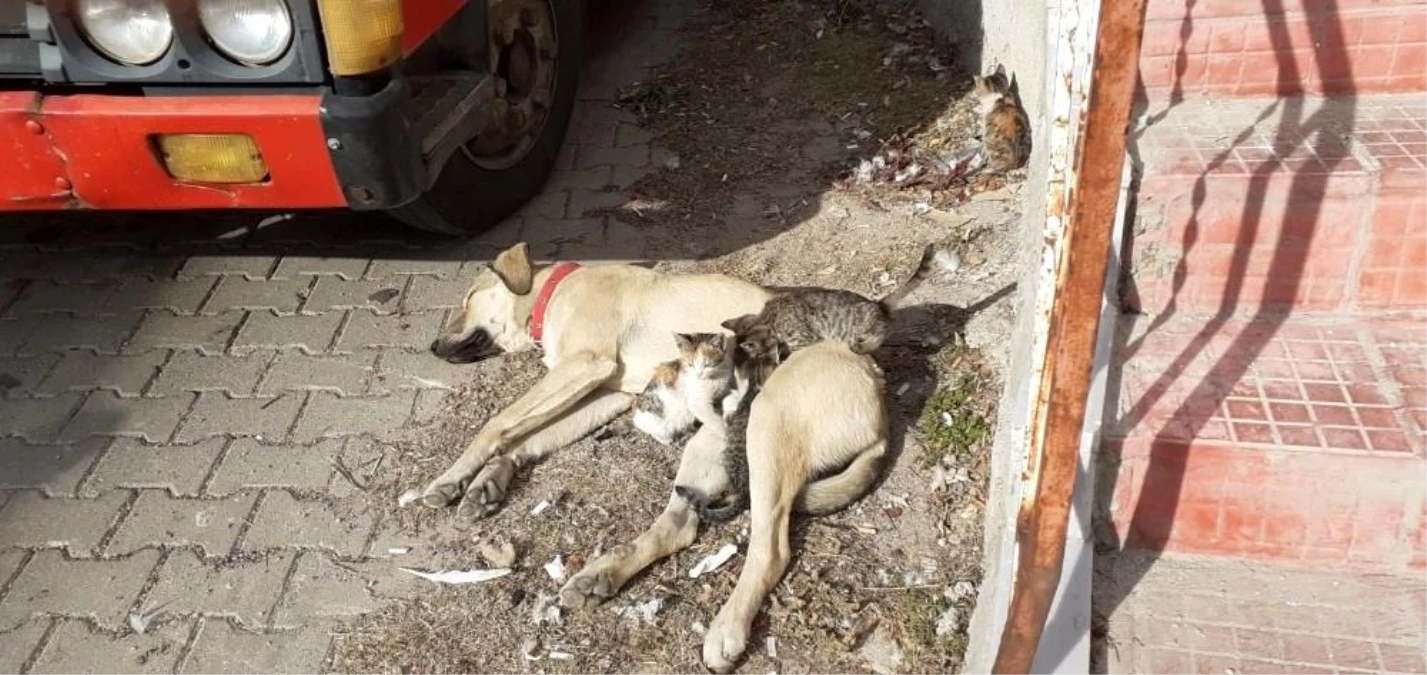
[[1299, 127]]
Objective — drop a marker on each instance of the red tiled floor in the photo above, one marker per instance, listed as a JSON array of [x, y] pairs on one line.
[[1175, 614], [1316, 205], [1296, 440]]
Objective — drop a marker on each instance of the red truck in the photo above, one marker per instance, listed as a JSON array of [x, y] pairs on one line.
[[446, 113]]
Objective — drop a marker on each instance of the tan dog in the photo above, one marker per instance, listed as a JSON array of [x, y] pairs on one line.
[[820, 410], [604, 330]]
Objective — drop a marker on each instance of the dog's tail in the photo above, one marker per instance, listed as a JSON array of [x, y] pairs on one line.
[[833, 493], [931, 259]]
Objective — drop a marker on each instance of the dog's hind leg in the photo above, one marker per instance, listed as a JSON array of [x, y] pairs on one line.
[[700, 468], [561, 388], [774, 484], [487, 490]]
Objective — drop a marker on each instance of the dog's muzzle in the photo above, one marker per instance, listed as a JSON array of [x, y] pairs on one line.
[[477, 347]]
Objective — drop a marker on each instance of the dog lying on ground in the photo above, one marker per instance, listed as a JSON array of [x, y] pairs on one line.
[[603, 330]]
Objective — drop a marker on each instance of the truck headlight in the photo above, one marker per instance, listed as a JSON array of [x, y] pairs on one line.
[[132, 32], [251, 32]]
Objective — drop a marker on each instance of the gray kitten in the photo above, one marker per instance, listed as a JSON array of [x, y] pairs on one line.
[[801, 317]]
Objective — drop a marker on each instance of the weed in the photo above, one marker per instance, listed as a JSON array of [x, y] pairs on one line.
[[953, 421]]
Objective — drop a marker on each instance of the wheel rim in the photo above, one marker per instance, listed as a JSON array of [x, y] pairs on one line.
[[524, 51]]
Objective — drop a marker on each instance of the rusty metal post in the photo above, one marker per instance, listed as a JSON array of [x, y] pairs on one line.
[[1058, 412]]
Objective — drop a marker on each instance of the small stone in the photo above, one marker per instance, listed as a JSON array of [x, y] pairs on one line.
[[498, 555]]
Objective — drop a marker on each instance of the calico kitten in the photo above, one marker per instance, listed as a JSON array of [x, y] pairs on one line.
[[801, 317], [1005, 129], [755, 358], [686, 389]]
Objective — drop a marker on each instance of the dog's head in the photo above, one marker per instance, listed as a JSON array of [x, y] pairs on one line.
[[491, 319]]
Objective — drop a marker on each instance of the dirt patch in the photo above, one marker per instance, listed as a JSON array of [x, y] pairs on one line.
[[769, 106]]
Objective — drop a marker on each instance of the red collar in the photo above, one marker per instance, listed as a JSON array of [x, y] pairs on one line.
[[537, 317]]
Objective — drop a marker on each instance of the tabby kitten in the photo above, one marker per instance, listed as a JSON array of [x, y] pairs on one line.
[[682, 390], [1005, 129], [801, 317]]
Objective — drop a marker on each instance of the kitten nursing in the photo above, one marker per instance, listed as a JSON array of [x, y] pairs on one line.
[[788, 322], [1005, 129], [686, 390]]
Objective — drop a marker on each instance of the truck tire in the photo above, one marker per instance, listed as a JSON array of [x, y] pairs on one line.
[[486, 181]]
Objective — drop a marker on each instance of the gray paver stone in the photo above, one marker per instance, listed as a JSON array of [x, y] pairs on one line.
[[32, 520], [58, 332], [236, 293], [37, 419], [221, 648], [130, 463], [399, 268], [216, 413], [87, 371], [15, 331], [78, 299], [330, 415], [250, 464], [297, 265], [99, 589], [265, 330], [284, 521], [17, 645], [295, 371], [178, 296], [106, 414], [55, 469], [10, 560], [632, 155], [432, 293], [164, 330], [75, 647], [245, 591], [585, 202], [331, 293], [249, 266], [400, 369], [20, 375], [367, 330], [159, 519], [321, 589], [192, 371]]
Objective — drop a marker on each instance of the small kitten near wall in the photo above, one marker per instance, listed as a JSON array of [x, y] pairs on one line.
[[1005, 128], [688, 389]]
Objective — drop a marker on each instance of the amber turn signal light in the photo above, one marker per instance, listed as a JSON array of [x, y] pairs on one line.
[[362, 35], [212, 158]]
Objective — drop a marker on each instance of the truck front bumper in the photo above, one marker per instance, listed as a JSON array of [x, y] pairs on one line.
[[98, 151]]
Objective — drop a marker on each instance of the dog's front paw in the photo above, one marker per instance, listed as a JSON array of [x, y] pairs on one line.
[[441, 492], [724, 645], [589, 588], [487, 490]]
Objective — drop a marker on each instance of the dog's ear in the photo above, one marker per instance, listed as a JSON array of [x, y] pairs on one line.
[[514, 268], [740, 325]]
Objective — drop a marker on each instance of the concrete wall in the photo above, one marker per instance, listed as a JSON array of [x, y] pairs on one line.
[[1019, 36]]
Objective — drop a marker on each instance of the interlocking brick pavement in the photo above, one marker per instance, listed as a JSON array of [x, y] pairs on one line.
[[175, 402]]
